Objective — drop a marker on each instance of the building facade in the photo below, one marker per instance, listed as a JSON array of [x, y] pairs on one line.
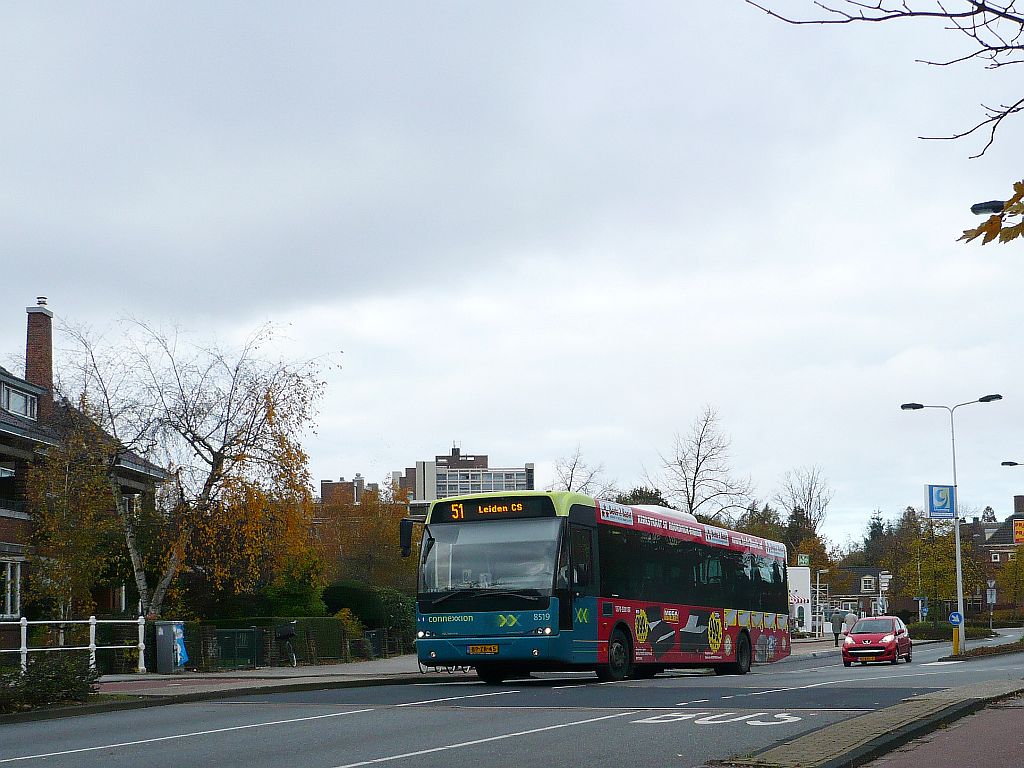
[[456, 474]]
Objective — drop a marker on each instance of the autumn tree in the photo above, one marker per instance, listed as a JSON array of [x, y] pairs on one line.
[[1010, 582], [226, 425], [359, 542], [75, 528], [698, 472], [573, 473], [994, 32]]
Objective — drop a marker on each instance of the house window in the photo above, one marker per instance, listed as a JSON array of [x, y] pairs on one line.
[[10, 589], [995, 557], [1012, 556], [18, 402], [867, 584]]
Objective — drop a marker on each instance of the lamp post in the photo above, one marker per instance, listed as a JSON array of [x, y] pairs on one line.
[[817, 601], [956, 503]]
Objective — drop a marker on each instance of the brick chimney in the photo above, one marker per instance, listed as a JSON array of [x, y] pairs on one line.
[[1018, 505], [39, 354]]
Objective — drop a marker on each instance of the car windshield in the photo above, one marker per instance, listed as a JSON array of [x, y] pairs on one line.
[[872, 626], [490, 555]]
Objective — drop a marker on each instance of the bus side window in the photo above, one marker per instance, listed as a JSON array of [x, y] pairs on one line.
[[582, 558]]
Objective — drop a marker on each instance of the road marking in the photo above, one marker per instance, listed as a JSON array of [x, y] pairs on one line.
[[481, 741], [455, 698], [720, 718], [560, 687], [181, 736], [940, 663]]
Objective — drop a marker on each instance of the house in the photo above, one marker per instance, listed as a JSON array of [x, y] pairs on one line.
[[866, 591], [29, 415]]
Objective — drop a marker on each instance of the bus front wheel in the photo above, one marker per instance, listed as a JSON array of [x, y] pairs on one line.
[[491, 675], [620, 658]]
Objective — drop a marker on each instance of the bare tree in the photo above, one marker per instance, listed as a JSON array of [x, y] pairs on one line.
[[225, 424], [806, 489], [698, 475], [572, 473], [995, 31]]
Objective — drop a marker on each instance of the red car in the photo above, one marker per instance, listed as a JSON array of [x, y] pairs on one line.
[[878, 638]]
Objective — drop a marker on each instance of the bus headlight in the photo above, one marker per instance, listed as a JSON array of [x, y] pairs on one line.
[[424, 633], [542, 631]]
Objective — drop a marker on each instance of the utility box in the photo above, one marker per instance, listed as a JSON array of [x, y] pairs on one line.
[[171, 656]]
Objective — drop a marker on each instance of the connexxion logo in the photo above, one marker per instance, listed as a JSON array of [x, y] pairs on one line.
[[464, 617]]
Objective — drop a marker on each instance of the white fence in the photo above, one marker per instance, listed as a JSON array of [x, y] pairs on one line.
[[92, 621]]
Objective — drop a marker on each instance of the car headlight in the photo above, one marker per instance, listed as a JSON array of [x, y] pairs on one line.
[[888, 638], [848, 640]]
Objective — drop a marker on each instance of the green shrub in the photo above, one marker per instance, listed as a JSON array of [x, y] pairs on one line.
[[51, 678], [944, 631]]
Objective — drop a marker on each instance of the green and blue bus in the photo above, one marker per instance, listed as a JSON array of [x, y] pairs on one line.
[[513, 583]]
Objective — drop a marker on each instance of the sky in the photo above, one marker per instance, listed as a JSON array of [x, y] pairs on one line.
[[526, 227]]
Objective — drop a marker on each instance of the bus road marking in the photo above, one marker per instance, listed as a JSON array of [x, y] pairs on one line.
[[455, 698], [721, 718], [482, 741], [183, 736]]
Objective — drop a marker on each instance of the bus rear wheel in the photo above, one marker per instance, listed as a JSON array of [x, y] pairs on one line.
[[743, 658], [620, 658], [492, 675]]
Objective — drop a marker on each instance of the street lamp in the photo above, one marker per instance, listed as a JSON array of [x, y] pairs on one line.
[[817, 600], [988, 207], [956, 500]]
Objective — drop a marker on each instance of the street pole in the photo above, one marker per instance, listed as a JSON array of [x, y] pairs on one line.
[[817, 604], [956, 539], [960, 646]]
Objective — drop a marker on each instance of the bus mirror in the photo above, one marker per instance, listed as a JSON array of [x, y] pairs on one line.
[[405, 536]]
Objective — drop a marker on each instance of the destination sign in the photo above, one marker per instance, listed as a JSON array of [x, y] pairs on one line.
[[492, 508]]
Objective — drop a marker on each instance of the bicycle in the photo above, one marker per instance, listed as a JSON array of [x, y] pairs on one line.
[[284, 634]]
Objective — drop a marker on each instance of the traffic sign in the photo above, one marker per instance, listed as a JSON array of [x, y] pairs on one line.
[[991, 583], [803, 560], [990, 596], [924, 611], [956, 619]]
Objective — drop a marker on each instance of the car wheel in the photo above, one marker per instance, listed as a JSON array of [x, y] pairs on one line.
[[910, 654], [846, 663]]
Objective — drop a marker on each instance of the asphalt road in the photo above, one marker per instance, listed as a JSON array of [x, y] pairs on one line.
[[680, 719]]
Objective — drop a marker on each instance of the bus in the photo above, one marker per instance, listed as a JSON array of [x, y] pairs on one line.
[[515, 582]]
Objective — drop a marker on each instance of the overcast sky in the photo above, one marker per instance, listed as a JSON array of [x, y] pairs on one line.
[[532, 225]]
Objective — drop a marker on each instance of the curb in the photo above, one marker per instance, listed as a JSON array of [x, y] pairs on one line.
[[144, 702]]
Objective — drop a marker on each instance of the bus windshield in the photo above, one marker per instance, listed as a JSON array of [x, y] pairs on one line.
[[492, 555]]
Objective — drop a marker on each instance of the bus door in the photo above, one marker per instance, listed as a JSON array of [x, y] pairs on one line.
[[584, 593]]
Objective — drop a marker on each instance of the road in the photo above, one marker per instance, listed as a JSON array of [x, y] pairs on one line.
[[678, 719]]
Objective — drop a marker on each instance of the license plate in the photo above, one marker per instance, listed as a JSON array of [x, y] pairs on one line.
[[476, 649]]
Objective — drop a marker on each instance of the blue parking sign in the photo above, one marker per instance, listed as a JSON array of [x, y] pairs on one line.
[[940, 501]]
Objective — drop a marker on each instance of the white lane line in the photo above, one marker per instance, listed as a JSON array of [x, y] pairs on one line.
[[455, 698], [560, 687], [481, 741], [180, 736], [940, 663]]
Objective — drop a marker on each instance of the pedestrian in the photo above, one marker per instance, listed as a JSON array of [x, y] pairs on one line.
[[837, 625], [851, 619]]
